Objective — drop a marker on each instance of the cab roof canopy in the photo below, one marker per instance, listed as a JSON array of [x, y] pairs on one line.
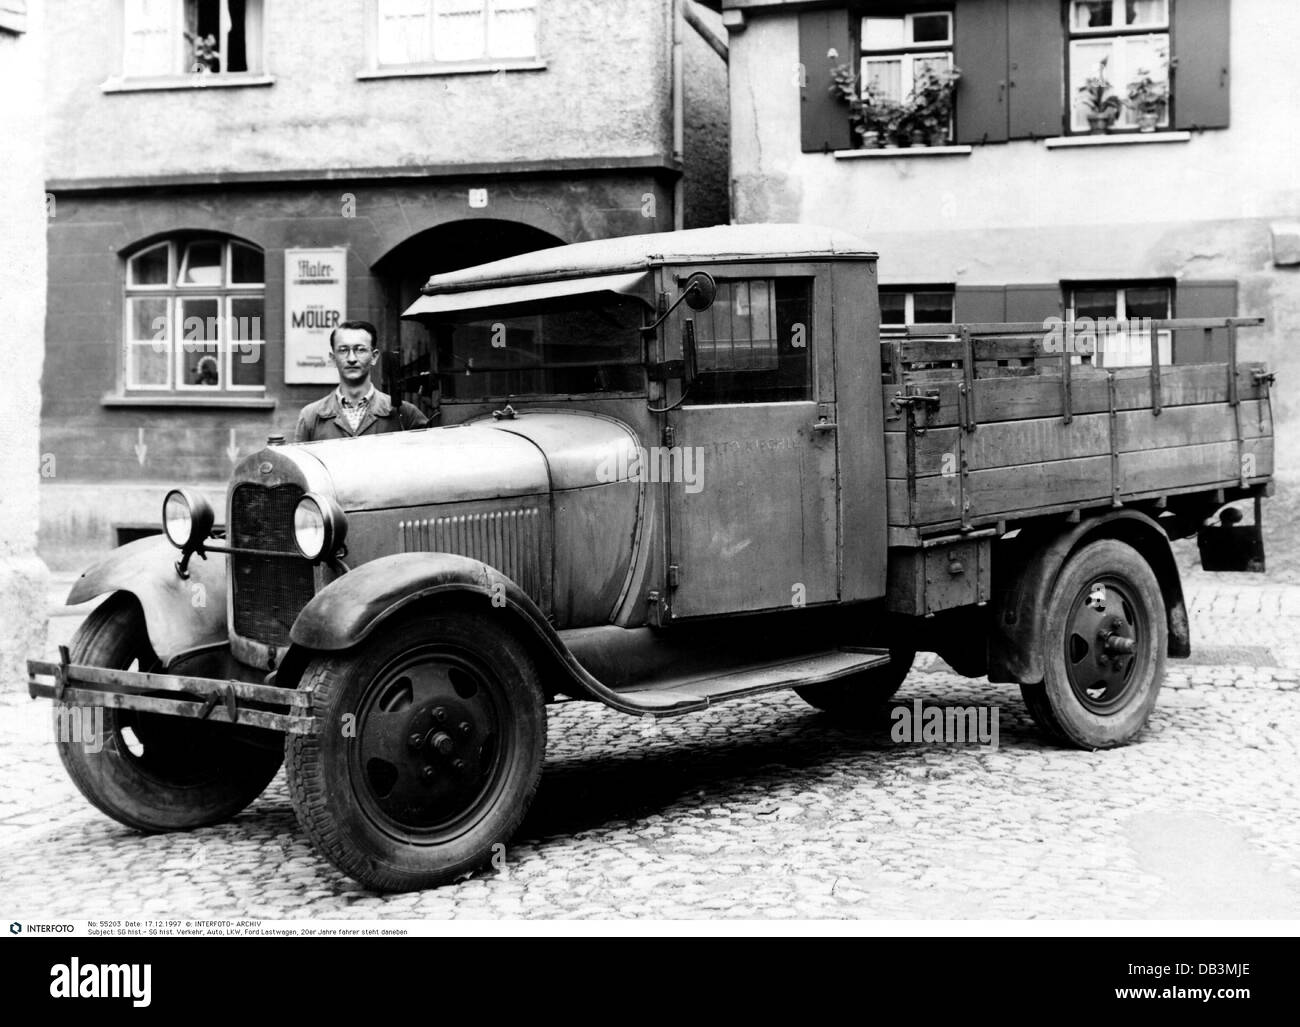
[[633, 253]]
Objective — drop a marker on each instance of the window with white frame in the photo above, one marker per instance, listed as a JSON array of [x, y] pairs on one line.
[[898, 50], [919, 306], [1106, 305], [184, 37], [411, 32], [1131, 37], [195, 320]]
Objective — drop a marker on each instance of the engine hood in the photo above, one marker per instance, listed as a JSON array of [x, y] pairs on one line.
[[530, 454]]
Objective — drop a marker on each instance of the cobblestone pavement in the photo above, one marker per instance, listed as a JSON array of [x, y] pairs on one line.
[[763, 808]]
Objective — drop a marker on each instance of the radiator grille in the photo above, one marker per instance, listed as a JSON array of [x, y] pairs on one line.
[[509, 540], [268, 591]]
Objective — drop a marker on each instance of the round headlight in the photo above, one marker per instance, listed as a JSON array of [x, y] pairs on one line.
[[187, 518], [318, 526]]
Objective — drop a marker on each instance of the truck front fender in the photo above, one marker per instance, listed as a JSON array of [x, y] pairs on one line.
[[1015, 642], [347, 610], [180, 613]]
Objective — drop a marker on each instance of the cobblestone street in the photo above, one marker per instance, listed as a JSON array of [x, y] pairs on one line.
[[765, 808]]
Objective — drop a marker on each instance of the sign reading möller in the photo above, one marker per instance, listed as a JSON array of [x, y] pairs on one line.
[[315, 297]]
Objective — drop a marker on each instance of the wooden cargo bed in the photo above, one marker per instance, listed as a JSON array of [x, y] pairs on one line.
[[983, 425]]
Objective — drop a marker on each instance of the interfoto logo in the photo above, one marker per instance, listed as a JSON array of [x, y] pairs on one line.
[[106, 980], [682, 465]]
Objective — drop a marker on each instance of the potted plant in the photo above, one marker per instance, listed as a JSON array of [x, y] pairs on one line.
[[1147, 98], [875, 118], [204, 55], [930, 105], [1098, 100]]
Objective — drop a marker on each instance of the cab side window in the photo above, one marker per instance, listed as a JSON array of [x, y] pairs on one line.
[[752, 345]]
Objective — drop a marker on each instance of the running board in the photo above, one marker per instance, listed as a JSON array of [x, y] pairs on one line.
[[670, 696]]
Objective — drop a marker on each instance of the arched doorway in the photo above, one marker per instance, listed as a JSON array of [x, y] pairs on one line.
[[447, 247]]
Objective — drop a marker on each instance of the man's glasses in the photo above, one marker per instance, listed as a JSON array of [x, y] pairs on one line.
[[344, 351]]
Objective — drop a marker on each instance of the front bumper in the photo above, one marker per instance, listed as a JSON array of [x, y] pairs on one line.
[[222, 701]]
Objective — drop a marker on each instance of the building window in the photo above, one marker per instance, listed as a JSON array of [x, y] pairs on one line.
[[191, 37], [928, 305], [1107, 304], [1122, 42], [454, 31], [752, 344], [898, 53], [195, 318]]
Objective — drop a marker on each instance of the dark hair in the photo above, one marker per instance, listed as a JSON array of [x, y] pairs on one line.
[[364, 326]]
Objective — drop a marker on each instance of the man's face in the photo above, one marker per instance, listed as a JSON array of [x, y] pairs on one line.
[[353, 354]]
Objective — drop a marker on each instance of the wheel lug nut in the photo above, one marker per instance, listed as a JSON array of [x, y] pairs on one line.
[[429, 773], [458, 765], [464, 727], [415, 740], [442, 743], [439, 714]]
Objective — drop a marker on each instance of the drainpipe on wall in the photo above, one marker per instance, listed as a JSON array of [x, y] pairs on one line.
[[679, 116]]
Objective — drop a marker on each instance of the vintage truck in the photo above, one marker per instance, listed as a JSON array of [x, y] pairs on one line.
[[664, 471]]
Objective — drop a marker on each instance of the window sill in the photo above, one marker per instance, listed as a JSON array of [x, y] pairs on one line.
[[451, 68], [1117, 139], [232, 80], [883, 152], [178, 402]]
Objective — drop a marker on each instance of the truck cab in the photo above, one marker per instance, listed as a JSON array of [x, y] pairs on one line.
[[662, 471]]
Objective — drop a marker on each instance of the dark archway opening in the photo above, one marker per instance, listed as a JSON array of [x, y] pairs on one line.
[[448, 247]]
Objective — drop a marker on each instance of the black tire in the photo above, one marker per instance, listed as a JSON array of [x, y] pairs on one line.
[[860, 695], [1105, 637], [150, 771], [434, 732]]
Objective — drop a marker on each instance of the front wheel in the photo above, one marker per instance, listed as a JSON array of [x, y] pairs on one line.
[[431, 749], [1105, 639], [151, 771]]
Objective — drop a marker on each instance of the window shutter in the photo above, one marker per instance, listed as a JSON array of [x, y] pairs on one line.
[[1034, 302], [825, 119], [1200, 42], [979, 304], [980, 51], [1036, 47], [1203, 299]]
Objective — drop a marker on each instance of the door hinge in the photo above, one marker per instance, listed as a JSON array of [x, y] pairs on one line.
[[670, 436], [674, 575]]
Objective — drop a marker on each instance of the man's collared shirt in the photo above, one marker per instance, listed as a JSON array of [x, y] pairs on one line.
[[355, 410], [328, 418]]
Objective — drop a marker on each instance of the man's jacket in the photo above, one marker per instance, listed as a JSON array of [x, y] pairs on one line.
[[324, 419]]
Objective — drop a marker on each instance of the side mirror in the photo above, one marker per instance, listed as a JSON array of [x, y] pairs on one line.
[[701, 290]]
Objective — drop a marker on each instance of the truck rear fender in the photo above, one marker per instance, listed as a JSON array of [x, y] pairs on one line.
[[1025, 578], [350, 608], [180, 613]]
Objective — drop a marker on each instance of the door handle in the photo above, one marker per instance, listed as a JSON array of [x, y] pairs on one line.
[[825, 425]]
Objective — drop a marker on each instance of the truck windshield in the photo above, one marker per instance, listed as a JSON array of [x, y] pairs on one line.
[[577, 344]]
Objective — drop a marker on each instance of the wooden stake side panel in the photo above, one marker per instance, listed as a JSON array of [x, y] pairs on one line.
[[1023, 456]]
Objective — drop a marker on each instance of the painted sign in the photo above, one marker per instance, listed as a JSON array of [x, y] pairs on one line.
[[315, 298]]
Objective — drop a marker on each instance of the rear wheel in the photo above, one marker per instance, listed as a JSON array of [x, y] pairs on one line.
[[434, 732], [860, 695], [1105, 639], [150, 771]]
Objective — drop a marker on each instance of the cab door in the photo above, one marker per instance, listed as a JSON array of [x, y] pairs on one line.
[[751, 500]]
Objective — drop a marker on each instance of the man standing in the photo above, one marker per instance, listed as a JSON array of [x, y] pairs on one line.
[[356, 407]]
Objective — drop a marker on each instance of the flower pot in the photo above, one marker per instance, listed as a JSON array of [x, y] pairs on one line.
[[1099, 124], [870, 140], [939, 138], [1147, 120], [918, 137]]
